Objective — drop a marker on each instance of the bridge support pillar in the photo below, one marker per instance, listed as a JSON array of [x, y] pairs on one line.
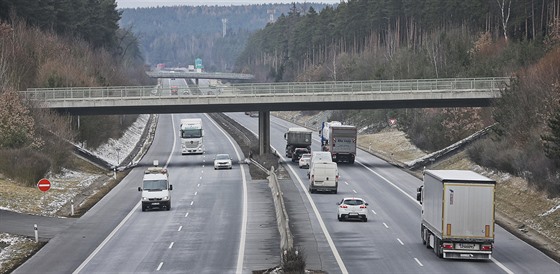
[[264, 132]]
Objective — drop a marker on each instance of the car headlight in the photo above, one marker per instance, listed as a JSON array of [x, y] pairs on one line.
[[144, 198], [166, 198]]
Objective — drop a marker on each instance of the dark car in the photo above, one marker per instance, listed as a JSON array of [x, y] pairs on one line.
[[298, 152]]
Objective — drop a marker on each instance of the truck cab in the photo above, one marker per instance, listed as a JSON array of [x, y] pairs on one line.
[[156, 189]]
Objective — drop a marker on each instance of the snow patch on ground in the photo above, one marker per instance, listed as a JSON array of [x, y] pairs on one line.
[[114, 151], [552, 210], [64, 187]]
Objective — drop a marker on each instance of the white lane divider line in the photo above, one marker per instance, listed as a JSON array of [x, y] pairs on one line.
[[354, 191], [374, 212], [418, 261], [319, 218], [187, 215], [192, 202], [195, 193], [198, 185], [243, 232], [200, 177], [90, 257], [507, 270], [346, 182], [159, 266], [400, 241], [386, 226], [171, 245], [180, 228]]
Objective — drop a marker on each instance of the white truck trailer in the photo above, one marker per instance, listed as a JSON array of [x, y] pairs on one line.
[[192, 136], [457, 214], [297, 137], [339, 140]]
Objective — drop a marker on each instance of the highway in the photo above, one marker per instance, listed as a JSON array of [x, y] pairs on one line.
[[390, 241], [218, 222], [222, 222]]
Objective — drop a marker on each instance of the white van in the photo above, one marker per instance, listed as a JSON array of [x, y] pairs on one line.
[[318, 157], [323, 176]]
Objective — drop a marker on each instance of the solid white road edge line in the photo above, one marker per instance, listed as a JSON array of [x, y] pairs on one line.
[[241, 251], [90, 257], [503, 267], [418, 261], [413, 199], [318, 215]]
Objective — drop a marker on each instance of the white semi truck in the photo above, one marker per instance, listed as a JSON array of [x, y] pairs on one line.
[[339, 140], [156, 189], [457, 214], [192, 136]]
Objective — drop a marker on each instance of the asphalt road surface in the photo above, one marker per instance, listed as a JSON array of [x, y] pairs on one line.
[[390, 241], [219, 222]]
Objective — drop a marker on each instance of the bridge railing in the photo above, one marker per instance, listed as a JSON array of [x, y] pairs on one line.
[[379, 86], [267, 89]]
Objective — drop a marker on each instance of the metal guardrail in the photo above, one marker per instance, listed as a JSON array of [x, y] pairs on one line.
[[462, 85]]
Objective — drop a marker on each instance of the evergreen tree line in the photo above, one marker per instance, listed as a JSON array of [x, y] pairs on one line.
[[95, 21], [298, 41]]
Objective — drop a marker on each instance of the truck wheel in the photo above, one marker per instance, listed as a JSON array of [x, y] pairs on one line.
[[335, 191], [422, 235], [351, 160], [427, 239], [143, 208]]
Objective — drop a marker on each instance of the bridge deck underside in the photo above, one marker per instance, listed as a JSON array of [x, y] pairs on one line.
[[206, 104]]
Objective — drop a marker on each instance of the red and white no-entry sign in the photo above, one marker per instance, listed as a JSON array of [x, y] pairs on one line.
[[44, 185]]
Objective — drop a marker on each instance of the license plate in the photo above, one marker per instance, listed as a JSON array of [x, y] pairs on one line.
[[468, 246], [155, 203]]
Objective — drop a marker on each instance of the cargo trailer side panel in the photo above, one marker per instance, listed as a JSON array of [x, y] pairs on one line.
[[432, 206]]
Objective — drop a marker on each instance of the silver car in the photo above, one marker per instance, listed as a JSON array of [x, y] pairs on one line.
[[222, 161]]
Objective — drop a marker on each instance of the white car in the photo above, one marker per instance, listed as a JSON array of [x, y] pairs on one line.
[[222, 161], [352, 208], [304, 160]]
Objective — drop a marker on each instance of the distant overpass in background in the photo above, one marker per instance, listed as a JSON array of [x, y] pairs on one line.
[[380, 94], [199, 75]]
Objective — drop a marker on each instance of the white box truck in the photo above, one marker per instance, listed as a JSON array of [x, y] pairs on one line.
[[457, 213], [339, 140], [192, 136], [156, 189]]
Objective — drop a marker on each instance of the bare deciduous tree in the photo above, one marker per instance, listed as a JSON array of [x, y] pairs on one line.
[[505, 14]]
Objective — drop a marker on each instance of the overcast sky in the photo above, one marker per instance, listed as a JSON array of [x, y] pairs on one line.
[[154, 3]]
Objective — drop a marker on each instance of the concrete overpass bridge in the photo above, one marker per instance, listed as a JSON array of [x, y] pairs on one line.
[[199, 75], [379, 94]]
